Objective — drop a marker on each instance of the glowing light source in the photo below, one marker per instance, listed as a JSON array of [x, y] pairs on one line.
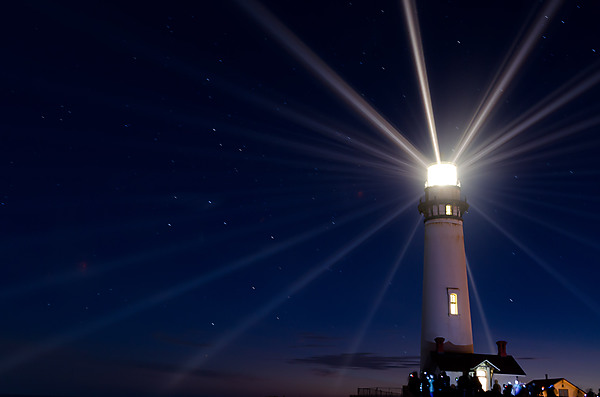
[[442, 174]]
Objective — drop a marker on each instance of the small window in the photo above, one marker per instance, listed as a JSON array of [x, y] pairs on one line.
[[448, 209], [563, 392], [453, 298]]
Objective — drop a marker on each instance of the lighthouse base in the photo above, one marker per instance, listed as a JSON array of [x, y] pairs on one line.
[[428, 348]]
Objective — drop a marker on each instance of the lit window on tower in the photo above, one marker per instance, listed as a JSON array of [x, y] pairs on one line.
[[448, 209], [453, 297]]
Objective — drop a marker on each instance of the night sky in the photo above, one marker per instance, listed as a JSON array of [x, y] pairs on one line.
[[190, 207]]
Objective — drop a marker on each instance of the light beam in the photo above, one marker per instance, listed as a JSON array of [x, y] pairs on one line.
[[377, 301], [539, 142], [506, 76], [416, 45], [557, 99], [560, 278], [52, 343], [486, 327], [322, 71], [199, 358], [560, 230]]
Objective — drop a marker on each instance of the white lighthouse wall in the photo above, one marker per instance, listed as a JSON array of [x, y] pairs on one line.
[[445, 271]]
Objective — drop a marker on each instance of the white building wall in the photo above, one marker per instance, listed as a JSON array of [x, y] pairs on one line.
[[445, 269], [566, 388]]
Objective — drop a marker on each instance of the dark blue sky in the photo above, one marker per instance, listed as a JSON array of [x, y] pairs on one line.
[[187, 209]]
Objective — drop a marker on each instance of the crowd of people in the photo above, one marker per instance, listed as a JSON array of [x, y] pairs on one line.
[[430, 385]]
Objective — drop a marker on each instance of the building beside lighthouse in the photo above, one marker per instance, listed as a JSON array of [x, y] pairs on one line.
[[446, 334]]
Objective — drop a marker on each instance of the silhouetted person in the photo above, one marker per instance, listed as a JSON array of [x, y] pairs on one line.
[[523, 392], [445, 380], [425, 385], [414, 384], [441, 384], [496, 389], [462, 384], [534, 390], [431, 381], [507, 391]]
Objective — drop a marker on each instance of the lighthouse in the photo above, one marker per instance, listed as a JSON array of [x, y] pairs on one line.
[[446, 335], [446, 311]]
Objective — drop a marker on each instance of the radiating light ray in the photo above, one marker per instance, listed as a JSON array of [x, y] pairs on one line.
[[537, 143], [561, 152], [301, 118], [562, 195], [250, 320], [507, 75], [560, 230], [321, 70], [96, 270], [192, 72], [321, 128], [557, 99], [416, 45], [173, 292], [560, 278], [343, 154], [586, 214], [99, 268], [313, 125], [114, 37], [52, 343], [486, 327], [346, 154], [358, 337], [56, 279], [482, 168], [158, 113]]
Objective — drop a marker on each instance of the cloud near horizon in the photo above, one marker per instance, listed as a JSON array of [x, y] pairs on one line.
[[201, 373], [360, 361], [176, 340], [309, 339]]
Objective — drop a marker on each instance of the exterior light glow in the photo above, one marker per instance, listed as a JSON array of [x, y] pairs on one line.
[[442, 174]]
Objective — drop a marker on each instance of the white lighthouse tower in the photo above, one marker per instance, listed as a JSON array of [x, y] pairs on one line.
[[446, 310]]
